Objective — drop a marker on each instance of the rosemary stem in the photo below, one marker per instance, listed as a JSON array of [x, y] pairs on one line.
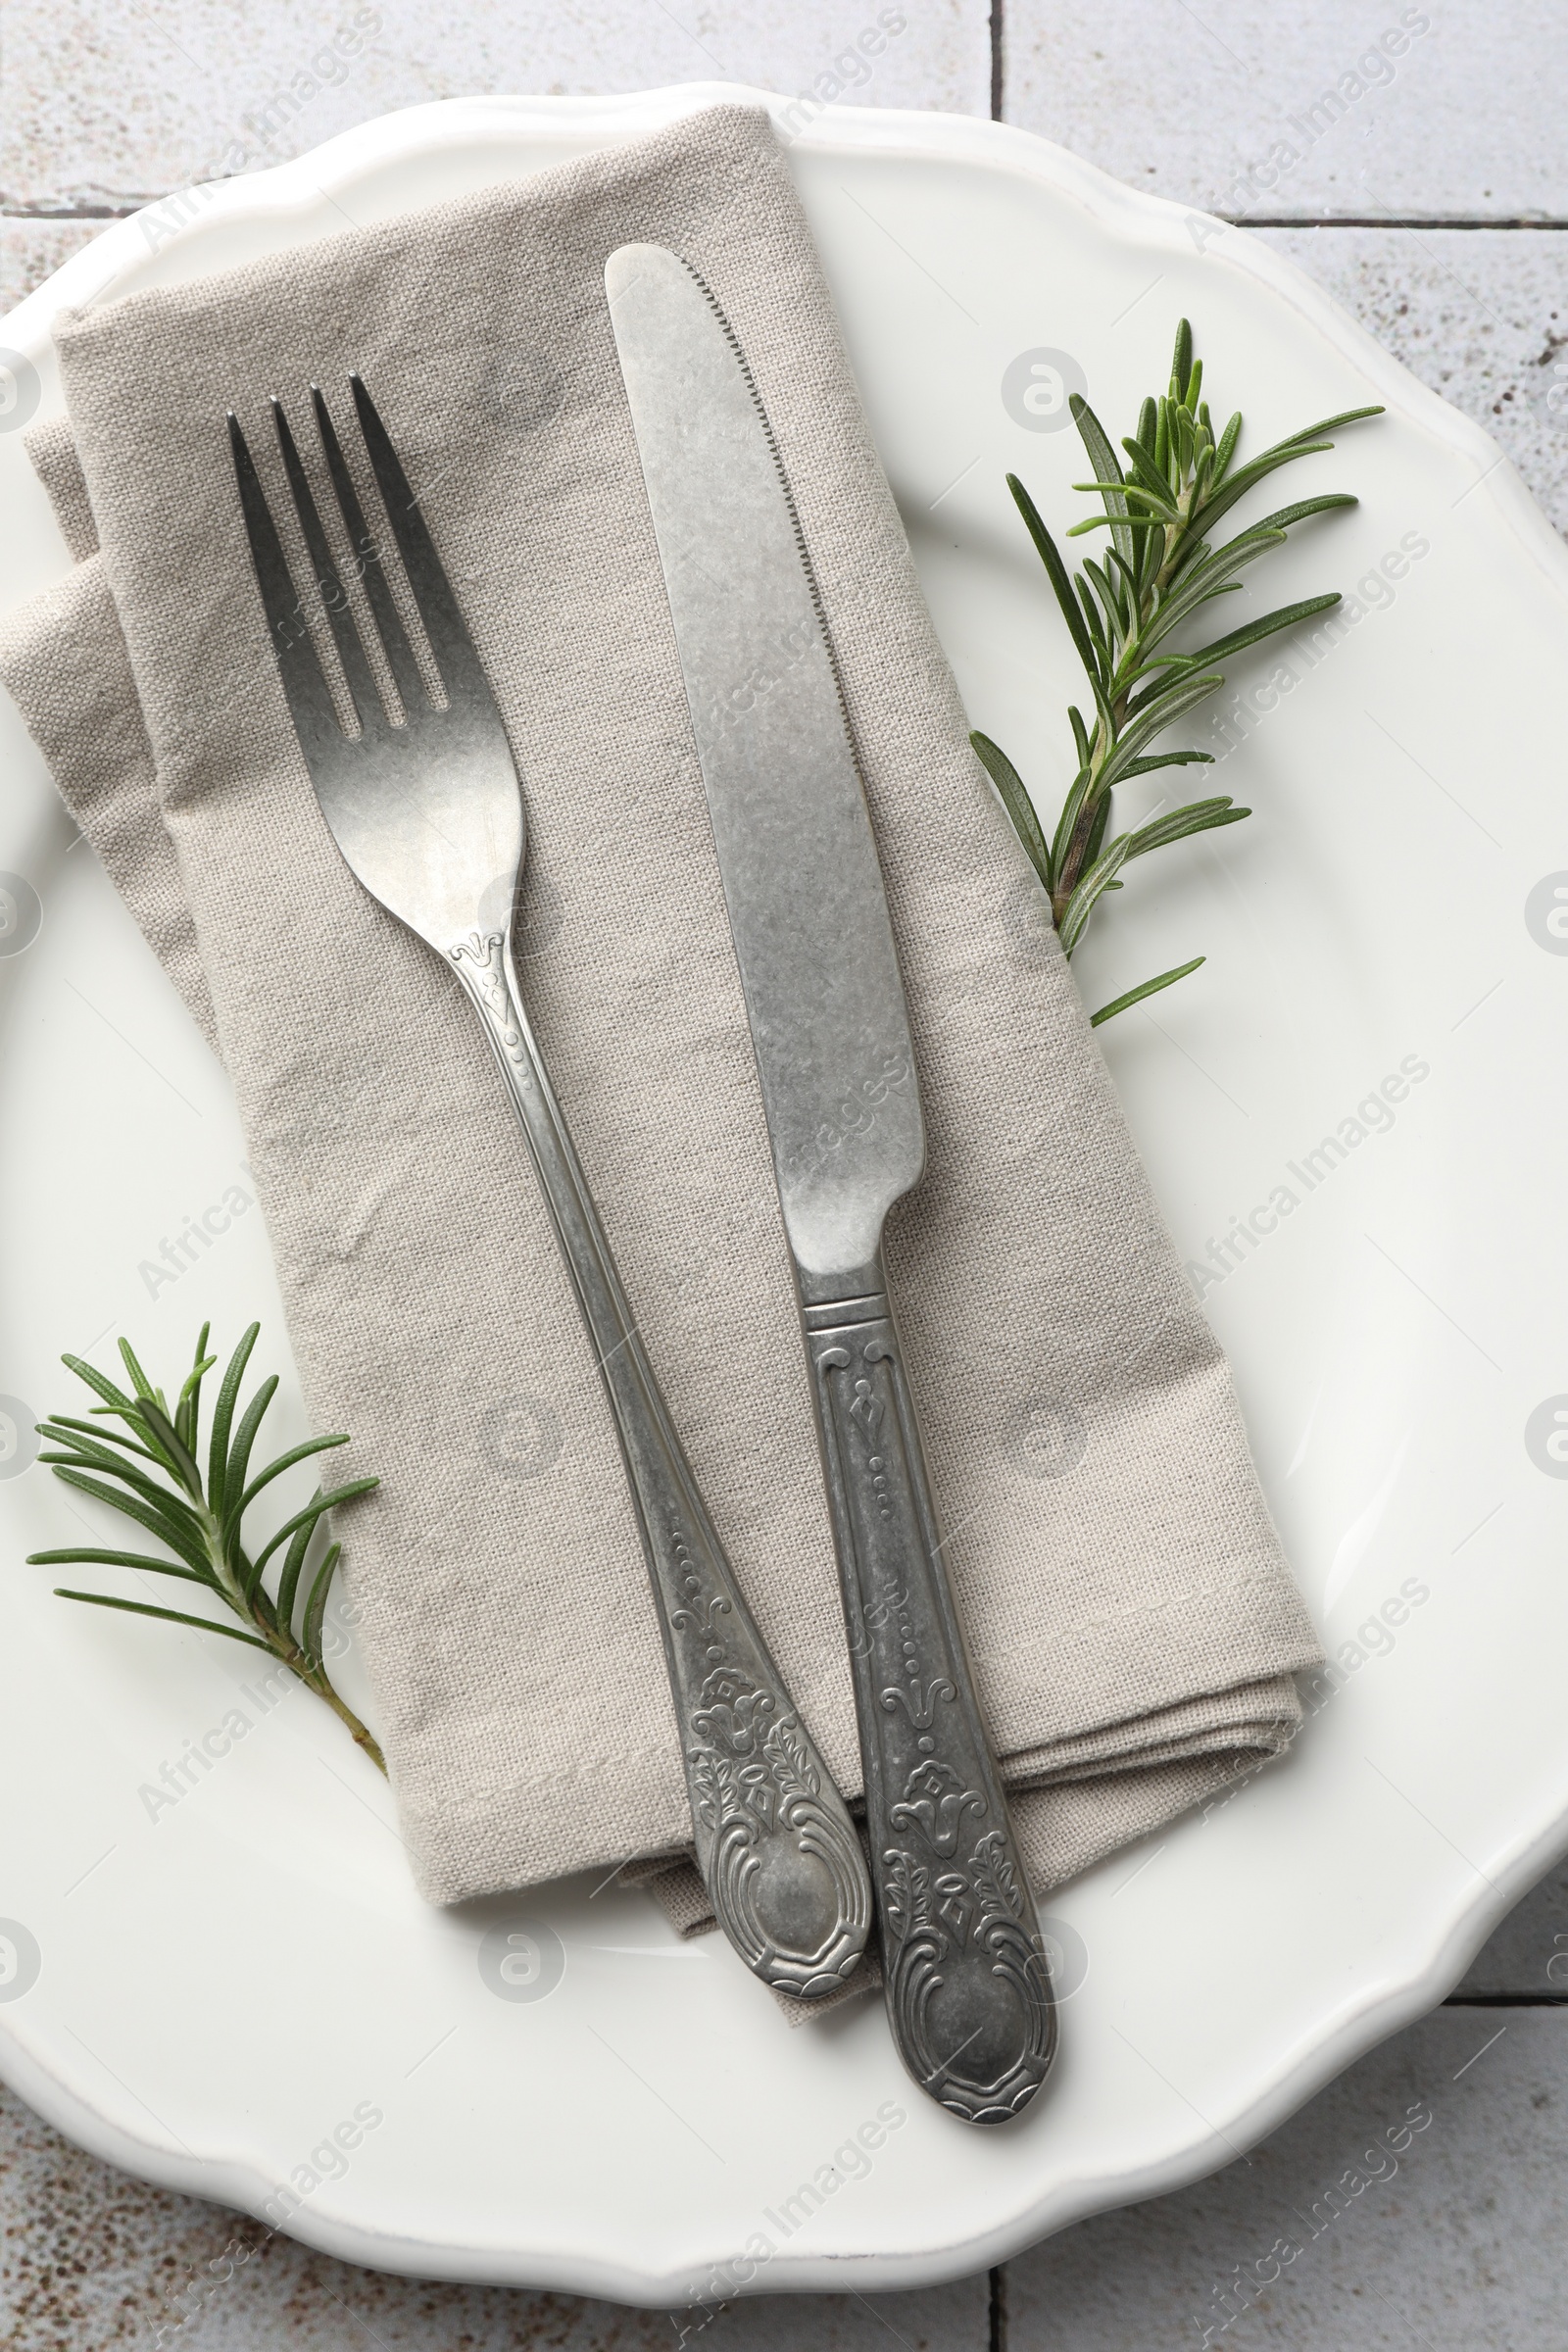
[[257, 1611], [357, 1732]]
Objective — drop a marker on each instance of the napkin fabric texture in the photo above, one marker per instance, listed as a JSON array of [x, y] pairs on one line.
[[1133, 1623]]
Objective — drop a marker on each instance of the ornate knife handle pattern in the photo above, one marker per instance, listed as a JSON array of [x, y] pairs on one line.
[[774, 1843], [968, 1990]]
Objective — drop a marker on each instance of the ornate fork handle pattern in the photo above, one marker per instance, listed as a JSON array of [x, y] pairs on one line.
[[968, 1991], [774, 1843]]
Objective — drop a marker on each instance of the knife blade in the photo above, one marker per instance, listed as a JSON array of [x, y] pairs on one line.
[[968, 1990]]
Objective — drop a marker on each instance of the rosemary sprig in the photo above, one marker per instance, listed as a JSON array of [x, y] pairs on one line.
[[154, 1477], [1158, 570]]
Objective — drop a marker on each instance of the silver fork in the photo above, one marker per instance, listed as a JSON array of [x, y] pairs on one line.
[[428, 813]]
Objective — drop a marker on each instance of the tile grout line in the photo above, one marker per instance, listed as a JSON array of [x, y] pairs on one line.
[[997, 2310], [1506, 2000]]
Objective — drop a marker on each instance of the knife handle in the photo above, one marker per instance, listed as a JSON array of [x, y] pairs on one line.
[[969, 1994], [775, 1847]]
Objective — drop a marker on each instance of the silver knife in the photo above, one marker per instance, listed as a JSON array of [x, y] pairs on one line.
[[968, 1990]]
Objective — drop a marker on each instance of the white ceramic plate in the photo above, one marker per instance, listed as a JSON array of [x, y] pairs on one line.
[[207, 1989]]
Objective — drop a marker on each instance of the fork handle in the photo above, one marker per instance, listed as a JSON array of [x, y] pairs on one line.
[[969, 1996], [775, 1847]]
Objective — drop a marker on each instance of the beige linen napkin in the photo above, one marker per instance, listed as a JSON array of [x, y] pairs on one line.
[[1134, 1625]]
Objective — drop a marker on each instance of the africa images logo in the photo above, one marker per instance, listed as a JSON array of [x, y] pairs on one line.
[[1038, 387]]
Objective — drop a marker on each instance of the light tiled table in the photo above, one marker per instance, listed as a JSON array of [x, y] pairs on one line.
[[1432, 198]]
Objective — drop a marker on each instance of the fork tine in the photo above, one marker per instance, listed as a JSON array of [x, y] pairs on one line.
[[438, 607], [399, 651], [363, 688], [305, 686]]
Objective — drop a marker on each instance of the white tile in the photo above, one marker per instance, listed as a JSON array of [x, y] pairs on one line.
[[105, 104], [93, 2259], [1480, 316], [1331, 2238], [31, 250], [1214, 103]]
